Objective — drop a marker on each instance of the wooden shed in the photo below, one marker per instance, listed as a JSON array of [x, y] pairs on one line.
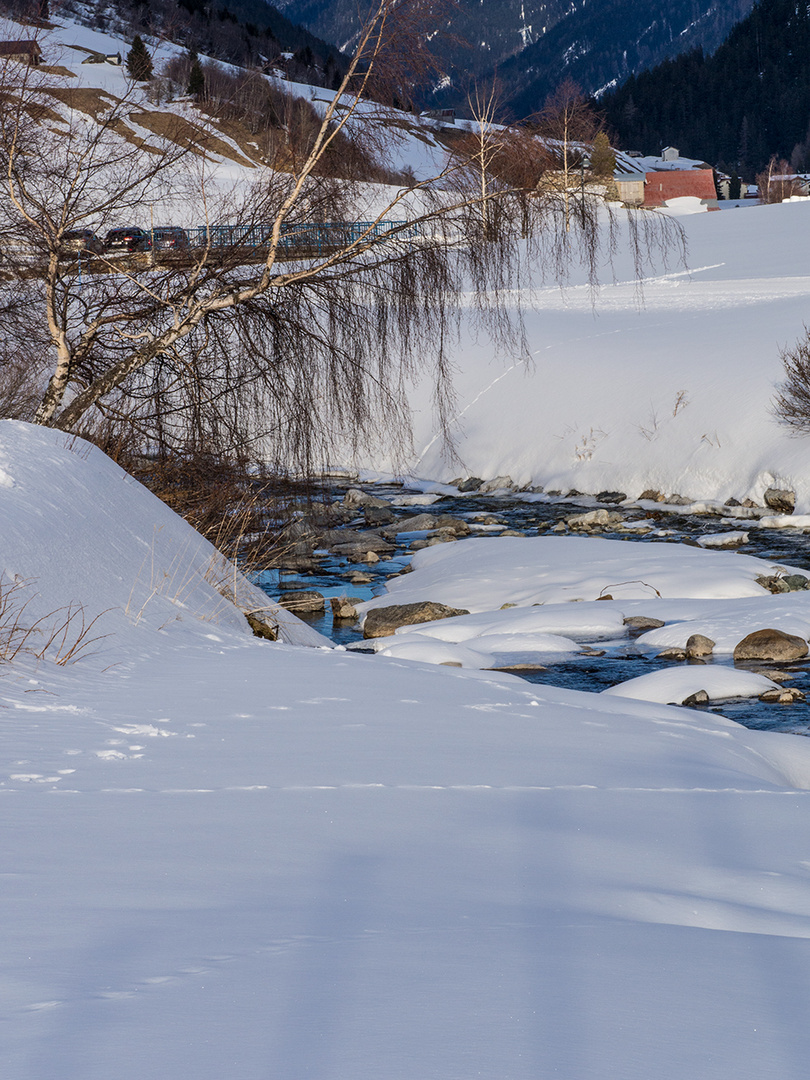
[[25, 52]]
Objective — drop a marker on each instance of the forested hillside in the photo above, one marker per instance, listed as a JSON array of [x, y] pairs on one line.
[[600, 43], [735, 108], [533, 45]]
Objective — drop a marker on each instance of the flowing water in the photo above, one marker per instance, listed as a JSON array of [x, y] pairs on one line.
[[622, 660]]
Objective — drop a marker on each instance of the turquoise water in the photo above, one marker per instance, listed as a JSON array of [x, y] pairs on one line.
[[622, 660]]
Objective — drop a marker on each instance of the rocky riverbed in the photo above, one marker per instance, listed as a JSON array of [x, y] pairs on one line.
[[343, 551]]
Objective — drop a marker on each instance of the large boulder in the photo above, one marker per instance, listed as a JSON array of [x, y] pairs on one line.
[[354, 542], [376, 516], [383, 621], [428, 523], [302, 602], [498, 483], [343, 607], [698, 646], [783, 502], [775, 646], [640, 623], [594, 519]]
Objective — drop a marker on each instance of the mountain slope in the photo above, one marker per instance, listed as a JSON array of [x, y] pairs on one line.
[[535, 44], [600, 43], [749, 100]]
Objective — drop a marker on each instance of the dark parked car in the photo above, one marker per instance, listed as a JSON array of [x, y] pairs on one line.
[[169, 238], [81, 240], [130, 239]]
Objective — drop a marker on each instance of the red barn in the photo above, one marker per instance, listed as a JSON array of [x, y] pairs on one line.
[[676, 183]]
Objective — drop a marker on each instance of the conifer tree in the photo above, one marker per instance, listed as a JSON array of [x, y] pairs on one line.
[[603, 160], [196, 78], [139, 63]]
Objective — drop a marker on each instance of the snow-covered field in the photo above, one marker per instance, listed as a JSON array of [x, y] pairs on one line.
[[225, 857], [674, 395]]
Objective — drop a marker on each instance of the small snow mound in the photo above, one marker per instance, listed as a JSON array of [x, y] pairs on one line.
[[673, 685]]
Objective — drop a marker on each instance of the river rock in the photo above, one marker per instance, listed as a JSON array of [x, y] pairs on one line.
[[262, 625], [782, 695], [775, 646], [594, 519], [518, 668], [354, 499], [640, 623], [611, 496], [358, 577], [429, 523], [796, 582], [375, 516], [354, 542], [672, 654], [302, 602], [700, 697], [472, 483], [778, 676], [368, 557], [442, 536], [343, 607], [698, 645], [773, 583], [498, 483], [383, 621], [651, 495], [723, 540], [781, 500]]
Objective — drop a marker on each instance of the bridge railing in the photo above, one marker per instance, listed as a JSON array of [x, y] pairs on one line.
[[310, 237]]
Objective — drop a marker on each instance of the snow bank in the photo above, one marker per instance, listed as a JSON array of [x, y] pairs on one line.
[[484, 573], [672, 393], [77, 530], [677, 684], [226, 857], [532, 598]]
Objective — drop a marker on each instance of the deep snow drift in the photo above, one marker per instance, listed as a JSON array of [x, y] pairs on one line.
[[225, 857]]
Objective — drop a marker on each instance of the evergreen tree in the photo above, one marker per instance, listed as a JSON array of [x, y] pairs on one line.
[[139, 63], [196, 78], [603, 160]]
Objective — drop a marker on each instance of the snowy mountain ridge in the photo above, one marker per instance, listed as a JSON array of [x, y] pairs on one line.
[[534, 44]]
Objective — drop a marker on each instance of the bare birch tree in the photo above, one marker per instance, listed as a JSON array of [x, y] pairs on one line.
[[262, 345]]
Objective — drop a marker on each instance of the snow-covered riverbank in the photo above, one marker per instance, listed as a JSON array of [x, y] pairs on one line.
[[229, 857], [674, 394]]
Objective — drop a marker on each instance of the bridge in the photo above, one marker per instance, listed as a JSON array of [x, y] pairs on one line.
[[299, 239]]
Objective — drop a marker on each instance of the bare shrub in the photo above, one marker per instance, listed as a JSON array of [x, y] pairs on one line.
[[62, 635], [792, 403], [778, 182]]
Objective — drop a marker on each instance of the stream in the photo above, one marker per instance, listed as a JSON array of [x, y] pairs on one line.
[[533, 515]]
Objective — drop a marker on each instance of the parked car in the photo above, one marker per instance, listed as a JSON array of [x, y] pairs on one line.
[[81, 240], [169, 238], [128, 239]]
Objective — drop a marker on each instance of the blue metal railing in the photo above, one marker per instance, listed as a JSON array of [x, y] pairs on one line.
[[312, 237]]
